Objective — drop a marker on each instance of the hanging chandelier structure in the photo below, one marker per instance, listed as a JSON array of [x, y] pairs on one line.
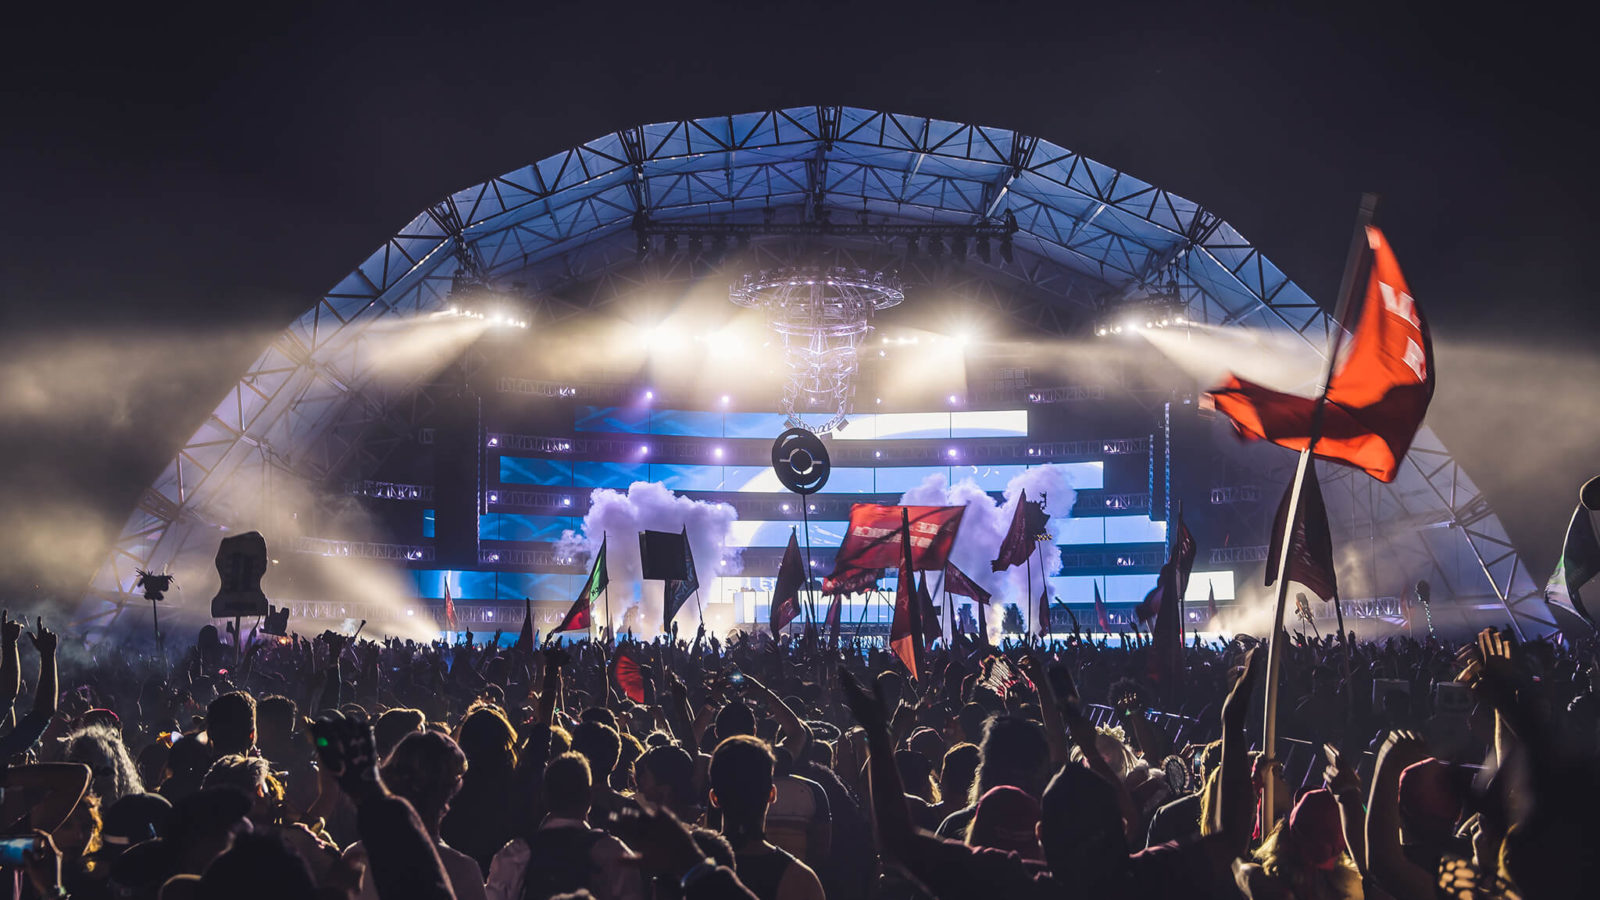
[[822, 316]]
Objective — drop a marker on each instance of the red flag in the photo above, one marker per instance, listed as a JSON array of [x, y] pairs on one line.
[[629, 675], [449, 606], [1042, 617], [1100, 610], [874, 534], [931, 629], [1211, 603], [1181, 560], [524, 642], [835, 612], [1375, 401], [786, 590], [851, 581], [905, 631], [1311, 544], [1017, 545], [581, 616], [957, 582]]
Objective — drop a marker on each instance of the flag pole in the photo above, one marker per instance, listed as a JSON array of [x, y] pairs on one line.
[[811, 597], [607, 631], [1275, 646]]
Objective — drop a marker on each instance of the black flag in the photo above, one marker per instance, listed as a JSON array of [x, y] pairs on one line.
[[1311, 544], [679, 590]]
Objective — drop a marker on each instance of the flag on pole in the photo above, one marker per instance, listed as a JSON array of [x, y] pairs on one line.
[[524, 642], [678, 591], [1018, 544], [835, 613], [1211, 603], [1180, 559], [1311, 542], [931, 629], [1042, 618], [1376, 399], [581, 616], [851, 581], [786, 590], [1579, 564], [449, 606], [1166, 646], [957, 582], [1100, 614], [905, 631]]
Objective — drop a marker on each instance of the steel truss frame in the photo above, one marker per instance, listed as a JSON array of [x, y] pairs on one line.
[[562, 228]]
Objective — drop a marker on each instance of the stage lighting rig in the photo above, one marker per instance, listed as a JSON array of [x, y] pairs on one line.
[[822, 316], [471, 298], [1163, 308]]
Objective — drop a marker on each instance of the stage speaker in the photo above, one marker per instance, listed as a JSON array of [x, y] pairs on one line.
[[457, 481]]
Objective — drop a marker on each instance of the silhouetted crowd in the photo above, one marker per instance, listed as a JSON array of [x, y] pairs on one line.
[[256, 766]]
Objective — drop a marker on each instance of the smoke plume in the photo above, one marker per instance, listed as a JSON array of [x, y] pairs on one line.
[[649, 506]]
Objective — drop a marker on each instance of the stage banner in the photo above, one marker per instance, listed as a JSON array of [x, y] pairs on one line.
[[873, 541]]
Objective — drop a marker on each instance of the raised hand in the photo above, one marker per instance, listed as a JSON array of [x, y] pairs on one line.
[[868, 708], [1237, 705], [10, 629], [44, 640], [1339, 778], [1403, 748]]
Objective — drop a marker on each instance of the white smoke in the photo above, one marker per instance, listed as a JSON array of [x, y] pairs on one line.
[[649, 506], [984, 526]]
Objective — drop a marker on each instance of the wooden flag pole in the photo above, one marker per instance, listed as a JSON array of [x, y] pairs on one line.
[[1275, 646]]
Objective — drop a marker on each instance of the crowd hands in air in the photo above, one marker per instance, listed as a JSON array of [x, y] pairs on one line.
[[340, 768]]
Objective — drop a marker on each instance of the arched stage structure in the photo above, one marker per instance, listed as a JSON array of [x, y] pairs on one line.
[[572, 232]]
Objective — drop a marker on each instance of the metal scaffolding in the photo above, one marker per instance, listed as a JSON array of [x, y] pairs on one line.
[[570, 231]]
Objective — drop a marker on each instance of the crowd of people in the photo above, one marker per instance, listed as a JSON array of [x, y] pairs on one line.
[[258, 766]]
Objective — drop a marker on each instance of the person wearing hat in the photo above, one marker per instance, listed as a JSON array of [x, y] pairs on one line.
[[1304, 857]]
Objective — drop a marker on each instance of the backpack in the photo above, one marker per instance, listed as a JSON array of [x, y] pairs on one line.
[[559, 861]]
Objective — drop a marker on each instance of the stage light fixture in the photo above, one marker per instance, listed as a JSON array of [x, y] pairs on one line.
[[983, 249], [649, 395], [717, 452], [726, 399], [950, 453], [644, 449], [1005, 249]]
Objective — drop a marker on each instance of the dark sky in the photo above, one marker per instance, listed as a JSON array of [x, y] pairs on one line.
[[203, 175]]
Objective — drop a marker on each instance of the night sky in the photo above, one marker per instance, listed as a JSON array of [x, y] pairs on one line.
[[197, 179]]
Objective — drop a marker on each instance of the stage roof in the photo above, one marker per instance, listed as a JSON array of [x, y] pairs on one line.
[[563, 229]]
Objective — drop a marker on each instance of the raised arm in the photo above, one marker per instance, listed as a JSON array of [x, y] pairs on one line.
[[10, 669], [896, 833], [1386, 862], [1055, 730], [44, 641], [1345, 786], [1236, 806]]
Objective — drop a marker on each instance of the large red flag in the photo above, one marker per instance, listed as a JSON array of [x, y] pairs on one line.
[[1376, 399], [873, 539], [905, 632], [852, 581], [786, 590]]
